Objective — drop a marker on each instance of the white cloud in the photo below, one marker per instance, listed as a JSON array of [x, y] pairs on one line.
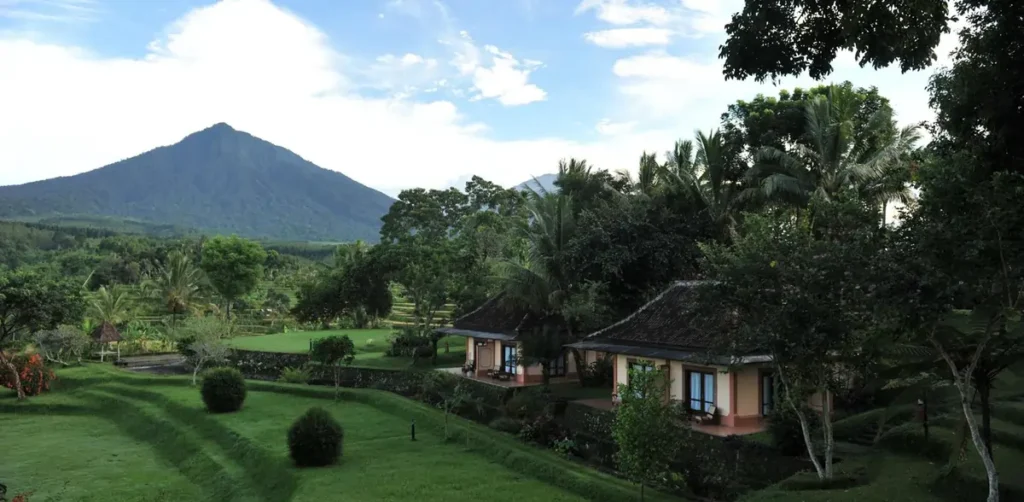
[[626, 12], [495, 74], [48, 10], [629, 37], [608, 127], [688, 18], [66, 110]]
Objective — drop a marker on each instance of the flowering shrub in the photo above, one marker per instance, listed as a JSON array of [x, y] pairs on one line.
[[35, 376]]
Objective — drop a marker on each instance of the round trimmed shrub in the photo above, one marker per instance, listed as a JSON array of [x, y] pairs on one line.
[[314, 440], [223, 390]]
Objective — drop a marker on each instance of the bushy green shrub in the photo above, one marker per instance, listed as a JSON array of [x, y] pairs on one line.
[[295, 375], [405, 343], [223, 390], [506, 424], [543, 430], [314, 440], [526, 404], [784, 429], [598, 373]]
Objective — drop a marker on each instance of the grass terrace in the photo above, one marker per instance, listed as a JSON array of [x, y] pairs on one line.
[[370, 346], [104, 434]]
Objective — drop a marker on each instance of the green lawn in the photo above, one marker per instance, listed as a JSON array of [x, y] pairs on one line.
[[370, 346], [103, 434]]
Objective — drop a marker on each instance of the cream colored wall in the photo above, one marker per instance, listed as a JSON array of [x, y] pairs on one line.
[[677, 375], [497, 353], [723, 392], [470, 345], [570, 363], [621, 371], [747, 402]]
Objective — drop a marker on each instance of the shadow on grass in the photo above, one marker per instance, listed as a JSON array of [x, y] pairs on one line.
[[270, 475], [170, 444]]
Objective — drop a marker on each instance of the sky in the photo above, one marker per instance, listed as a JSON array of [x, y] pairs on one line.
[[393, 93]]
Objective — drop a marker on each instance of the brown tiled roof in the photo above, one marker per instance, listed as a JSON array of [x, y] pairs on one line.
[[670, 320], [497, 316], [106, 333]]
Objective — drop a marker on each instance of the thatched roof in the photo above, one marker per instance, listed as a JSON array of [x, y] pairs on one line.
[[671, 320], [496, 319], [106, 333]]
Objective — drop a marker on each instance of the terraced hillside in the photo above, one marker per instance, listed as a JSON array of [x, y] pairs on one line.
[[402, 314]]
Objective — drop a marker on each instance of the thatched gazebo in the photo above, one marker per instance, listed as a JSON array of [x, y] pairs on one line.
[[104, 334]]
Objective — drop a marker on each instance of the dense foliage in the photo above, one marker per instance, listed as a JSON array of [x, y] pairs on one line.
[[223, 390], [315, 439], [219, 180]]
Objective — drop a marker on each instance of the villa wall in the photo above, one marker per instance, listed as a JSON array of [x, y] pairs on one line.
[[737, 392]]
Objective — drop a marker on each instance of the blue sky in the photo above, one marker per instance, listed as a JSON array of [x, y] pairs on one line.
[[395, 93]]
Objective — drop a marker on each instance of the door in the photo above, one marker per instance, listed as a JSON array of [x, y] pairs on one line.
[[484, 357]]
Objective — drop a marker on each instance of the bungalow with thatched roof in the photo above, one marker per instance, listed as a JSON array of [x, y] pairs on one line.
[[493, 343], [671, 334]]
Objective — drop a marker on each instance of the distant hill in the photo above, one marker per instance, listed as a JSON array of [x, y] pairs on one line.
[[547, 181], [216, 180]]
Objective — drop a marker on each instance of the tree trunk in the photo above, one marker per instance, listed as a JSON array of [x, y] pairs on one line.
[[807, 440], [195, 373], [979, 444], [984, 387], [963, 386], [581, 365], [826, 423], [14, 374], [545, 375], [337, 381], [804, 429], [641, 492]]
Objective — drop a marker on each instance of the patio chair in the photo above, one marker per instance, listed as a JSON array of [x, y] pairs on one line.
[[709, 418]]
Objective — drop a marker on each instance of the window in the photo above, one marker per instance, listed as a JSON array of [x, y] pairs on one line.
[[509, 361], [635, 367], [701, 390], [767, 393], [558, 366]]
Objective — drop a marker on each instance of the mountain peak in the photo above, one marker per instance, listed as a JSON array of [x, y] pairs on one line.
[[220, 126]]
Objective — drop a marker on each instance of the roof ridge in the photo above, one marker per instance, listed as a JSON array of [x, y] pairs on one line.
[[478, 309], [672, 287]]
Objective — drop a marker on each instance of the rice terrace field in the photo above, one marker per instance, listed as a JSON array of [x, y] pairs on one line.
[[105, 434], [370, 346]]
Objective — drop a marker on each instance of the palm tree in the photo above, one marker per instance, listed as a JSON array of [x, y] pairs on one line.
[[111, 305], [648, 176], [836, 158], [175, 285], [542, 283], [705, 177]]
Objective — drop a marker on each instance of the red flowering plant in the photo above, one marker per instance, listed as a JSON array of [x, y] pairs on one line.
[[35, 376]]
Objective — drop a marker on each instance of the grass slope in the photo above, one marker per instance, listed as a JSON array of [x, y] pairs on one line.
[[108, 435], [370, 346]]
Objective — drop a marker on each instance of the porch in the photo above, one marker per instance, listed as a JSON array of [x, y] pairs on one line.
[[606, 404], [510, 383]]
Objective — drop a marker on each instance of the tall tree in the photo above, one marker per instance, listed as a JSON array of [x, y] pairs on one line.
[[959, 250], [776, 38], [802, 293], [32, 300], [234, 266], [707, 178], [544, 283], [836, 158]]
